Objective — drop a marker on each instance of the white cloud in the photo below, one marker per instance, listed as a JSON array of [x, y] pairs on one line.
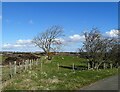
[[23, 42], [30, 21], [7, 46], [18, 44], [12, 46], [76, 37], [26, 45], [112, 33]]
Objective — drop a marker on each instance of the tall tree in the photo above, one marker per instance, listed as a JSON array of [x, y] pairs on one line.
[[48, 40]]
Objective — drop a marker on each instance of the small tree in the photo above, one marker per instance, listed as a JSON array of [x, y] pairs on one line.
[[92, 46], [114, 53], [48, 41], [99, 49]]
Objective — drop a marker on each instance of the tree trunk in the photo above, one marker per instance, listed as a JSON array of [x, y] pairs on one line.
[[96, 66], [111, 65], [93, 65], [49, 56], [88, 65], [117, 65], [104, 65]]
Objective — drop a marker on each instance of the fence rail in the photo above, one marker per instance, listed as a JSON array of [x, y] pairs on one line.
[[27, 64], [18, 67]]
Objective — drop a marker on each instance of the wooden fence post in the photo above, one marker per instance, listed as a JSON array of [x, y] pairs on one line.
[[15, 68], [73, 67], [30, 64], [10, 65], [41, 66], [36, 62], [19, 64], [58, 66], [25, 65], [22, 67], [19, 67]]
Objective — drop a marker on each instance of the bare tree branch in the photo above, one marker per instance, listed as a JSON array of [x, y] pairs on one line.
[[47, 40]]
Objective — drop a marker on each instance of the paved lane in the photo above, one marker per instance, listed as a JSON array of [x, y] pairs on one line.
[[110, 83]]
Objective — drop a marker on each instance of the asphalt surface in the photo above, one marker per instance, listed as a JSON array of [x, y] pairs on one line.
[[110, 83]]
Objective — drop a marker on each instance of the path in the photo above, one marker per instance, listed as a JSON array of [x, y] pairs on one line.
[[110, 83]]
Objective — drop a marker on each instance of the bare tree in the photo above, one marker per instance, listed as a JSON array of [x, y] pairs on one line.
[[48, 41], [92, 45], [98, 49], [114, 53]]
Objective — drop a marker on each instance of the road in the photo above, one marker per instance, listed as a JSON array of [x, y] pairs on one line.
[[110, 83]]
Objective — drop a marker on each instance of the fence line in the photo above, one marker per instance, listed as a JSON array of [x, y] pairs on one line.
[[73, 67], [41, 66], [22, 66], [10, 69], [58, 66], [15, 68]]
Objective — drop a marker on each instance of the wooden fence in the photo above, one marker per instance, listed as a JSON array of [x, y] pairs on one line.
[[22, 67]]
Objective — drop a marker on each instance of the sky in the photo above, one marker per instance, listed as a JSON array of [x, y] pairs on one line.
[[60, 0], [22, 21], [0, 26]]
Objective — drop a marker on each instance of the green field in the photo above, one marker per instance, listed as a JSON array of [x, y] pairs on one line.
[[50, 78]]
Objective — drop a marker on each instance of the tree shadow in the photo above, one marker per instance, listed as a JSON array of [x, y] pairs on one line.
[[76, 67]]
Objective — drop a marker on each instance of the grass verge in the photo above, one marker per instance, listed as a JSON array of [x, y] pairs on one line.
[[50, 78]]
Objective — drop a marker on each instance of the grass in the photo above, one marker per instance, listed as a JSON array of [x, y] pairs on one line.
[[50, 78], [2, 59]]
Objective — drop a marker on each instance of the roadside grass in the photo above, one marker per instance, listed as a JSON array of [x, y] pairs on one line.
[[2, 59], [50, 78], [5, 73]]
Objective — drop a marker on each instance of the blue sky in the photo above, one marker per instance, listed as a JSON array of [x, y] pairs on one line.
[[0, 25], [22, 21]]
